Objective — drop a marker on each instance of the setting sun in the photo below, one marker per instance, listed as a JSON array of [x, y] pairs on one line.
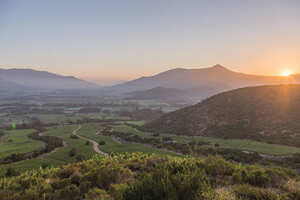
[[286, 73]]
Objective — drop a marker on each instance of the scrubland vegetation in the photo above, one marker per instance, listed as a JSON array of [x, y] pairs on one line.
[[142, 177]]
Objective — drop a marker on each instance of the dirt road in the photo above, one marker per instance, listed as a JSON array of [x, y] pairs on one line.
[[95, 144]]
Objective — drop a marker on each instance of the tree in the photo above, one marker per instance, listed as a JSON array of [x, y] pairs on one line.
[[11, 172], [72, 152]]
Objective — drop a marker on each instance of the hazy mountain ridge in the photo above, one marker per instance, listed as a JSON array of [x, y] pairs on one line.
[[40, 80], [203, 82], [268, 113]]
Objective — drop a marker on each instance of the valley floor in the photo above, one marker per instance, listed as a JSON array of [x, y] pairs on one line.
[[123, 137]]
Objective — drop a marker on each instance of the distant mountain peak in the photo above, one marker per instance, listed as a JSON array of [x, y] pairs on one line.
[[219, 68]]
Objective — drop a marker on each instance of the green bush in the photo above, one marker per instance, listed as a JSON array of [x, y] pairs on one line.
[[247, 192], [174, 181], [72, 152], [97, 194], [217, 166]]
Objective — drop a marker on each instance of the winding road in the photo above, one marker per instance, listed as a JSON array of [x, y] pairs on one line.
[[95, 144]]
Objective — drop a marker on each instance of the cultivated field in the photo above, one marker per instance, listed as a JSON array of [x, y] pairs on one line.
[[16, 141], [245, 145]]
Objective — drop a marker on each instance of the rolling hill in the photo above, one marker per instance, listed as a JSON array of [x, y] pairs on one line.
[[267, 113]]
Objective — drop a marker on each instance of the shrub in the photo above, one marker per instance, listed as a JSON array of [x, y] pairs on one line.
[[117, 190], [72, 136], [79, 158], [225, 194], [67, 193], [247, 192], [11, 172], [171, 181], [261, 177], [217, 166], [72, 152], [97, 194], [44, 165]]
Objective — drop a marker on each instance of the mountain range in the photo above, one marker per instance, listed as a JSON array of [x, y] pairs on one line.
[[178, 84], [199, 83]]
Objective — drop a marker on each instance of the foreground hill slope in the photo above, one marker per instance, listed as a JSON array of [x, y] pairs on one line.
[[269, 113], [152, 177]]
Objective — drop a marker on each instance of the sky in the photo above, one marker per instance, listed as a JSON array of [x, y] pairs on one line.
[[112, 40]]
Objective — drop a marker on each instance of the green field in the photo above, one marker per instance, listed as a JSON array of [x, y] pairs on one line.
[[79, 144], [21, 144], [9, 119], [253, 146], [16, 141], [245, 145], [62, 155], [55, 118], [137, 123], [111, 146]]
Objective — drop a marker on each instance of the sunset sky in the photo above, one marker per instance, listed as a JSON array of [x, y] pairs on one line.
[[108, 40]]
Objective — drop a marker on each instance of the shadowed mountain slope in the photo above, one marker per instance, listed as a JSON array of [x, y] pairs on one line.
[[269, 113]]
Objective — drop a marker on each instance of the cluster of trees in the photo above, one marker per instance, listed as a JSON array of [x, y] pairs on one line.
[[51, 142], [147, 177], [128, 137]]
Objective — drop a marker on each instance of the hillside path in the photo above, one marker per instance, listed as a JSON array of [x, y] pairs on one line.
[[95, 144]]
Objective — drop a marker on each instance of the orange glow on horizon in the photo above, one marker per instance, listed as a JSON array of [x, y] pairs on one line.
[[286, 73]]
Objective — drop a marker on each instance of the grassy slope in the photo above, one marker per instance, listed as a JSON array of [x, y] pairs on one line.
[[16, 141]]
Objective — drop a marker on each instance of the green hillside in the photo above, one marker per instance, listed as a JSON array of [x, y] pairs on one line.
[[148, 177], [265, 113]]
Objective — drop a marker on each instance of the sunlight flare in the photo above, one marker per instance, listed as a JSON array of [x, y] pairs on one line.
[[286, 73]]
